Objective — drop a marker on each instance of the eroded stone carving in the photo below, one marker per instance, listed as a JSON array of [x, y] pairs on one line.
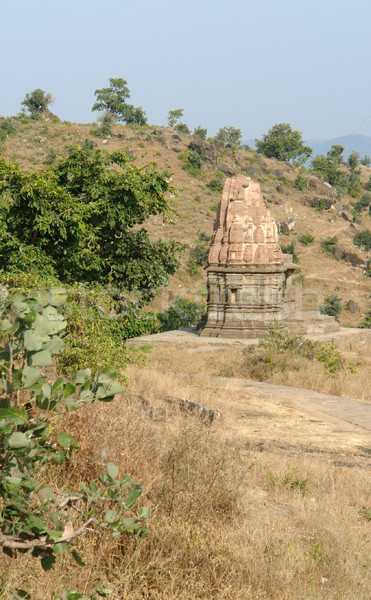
[[249, 280], [245, 233]]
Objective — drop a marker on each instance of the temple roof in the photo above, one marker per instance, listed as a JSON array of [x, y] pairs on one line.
[[245, 233]]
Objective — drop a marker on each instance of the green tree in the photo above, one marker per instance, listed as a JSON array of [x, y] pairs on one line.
[[200, 132], [106, 121], [328, 166], [353, 160], [283, 143], [366, 160], [78, 220], [37, 101], [364, 203], [113, 100], [174, 117], [229, 135]]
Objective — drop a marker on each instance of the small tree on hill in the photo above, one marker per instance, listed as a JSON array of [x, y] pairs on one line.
[[200, 132], [37, 101], [283, 143], [174, 117], [113, 100], [229, 135], [328, 167], [353, 160]]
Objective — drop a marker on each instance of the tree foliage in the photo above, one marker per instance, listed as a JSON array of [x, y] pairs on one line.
[[200, 132], [284, 143], [363, 238], [35, 515], [229, 135], [353, 160], [174, 117], [328, 167], [78, 220], [36, 101], [113, 100]]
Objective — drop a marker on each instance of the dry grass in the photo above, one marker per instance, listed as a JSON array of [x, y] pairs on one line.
[[233, 517], [265, 505], [289, 370]]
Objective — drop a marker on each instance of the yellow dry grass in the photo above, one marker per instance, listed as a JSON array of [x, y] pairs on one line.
[[263, 505], [348, 383]]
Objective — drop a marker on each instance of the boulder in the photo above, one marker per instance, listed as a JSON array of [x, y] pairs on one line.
[[350, 257], [227, 170], [352, 305], [346, 214]]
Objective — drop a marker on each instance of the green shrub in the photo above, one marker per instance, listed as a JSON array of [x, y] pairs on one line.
[[291, 249], [306, 239], [200, 132], [182, 313], [328, 243], [182, 128], [98, 325], [363, 238], [7, 127], [198, 255], [332, 306], [363, 203], [368, 184], [279, 341], [191, 162], [300, 183], [215, 185]]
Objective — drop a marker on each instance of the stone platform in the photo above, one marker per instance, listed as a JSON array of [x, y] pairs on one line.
[[347, 339]]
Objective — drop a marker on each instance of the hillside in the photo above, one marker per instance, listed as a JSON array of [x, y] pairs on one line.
[[268, 499], [314, 209]]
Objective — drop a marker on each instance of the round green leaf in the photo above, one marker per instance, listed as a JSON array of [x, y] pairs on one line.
[[111, 516], [30, 376], [43, 358], [112, 470], [19, 440]]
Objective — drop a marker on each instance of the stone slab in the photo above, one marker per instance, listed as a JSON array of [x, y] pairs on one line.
[[346, 338]]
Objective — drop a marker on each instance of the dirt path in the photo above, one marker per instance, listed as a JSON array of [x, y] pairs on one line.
[[264, 413], [313, 403]]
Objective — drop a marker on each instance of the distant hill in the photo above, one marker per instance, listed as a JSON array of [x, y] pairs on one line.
[[359, 143]]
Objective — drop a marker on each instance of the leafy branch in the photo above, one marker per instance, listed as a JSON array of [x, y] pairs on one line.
[[32, 514]]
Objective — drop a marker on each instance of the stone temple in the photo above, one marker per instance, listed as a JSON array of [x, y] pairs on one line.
[[249, 280]]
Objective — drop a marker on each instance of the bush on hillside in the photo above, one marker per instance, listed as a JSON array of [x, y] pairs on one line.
[[332, 306], [363, 238], [183, 313]]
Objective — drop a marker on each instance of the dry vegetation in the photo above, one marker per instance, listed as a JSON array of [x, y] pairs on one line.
[[233, 515], [267, 503]]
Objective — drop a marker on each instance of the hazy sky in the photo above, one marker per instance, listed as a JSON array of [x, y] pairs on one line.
[[226, 62]]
